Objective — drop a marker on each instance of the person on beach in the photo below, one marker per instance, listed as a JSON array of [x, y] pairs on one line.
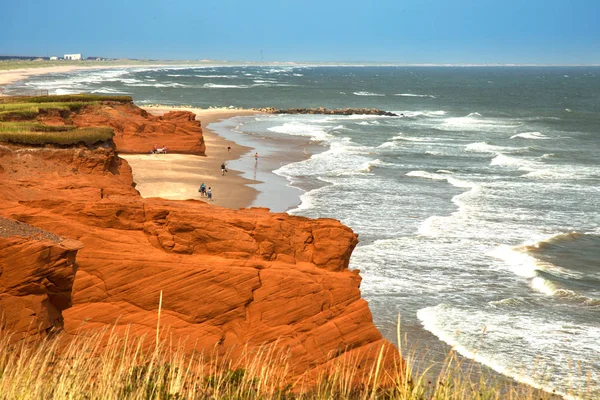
[[256, 156], [223, 168], [209, 193], [202, 190], [229, 149]]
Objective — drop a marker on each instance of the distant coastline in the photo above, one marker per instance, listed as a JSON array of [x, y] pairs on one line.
[[16, 70]]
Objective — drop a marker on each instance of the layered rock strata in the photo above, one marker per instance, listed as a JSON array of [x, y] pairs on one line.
[[228, 278], [37, 270]]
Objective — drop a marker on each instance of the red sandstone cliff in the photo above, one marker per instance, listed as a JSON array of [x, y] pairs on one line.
[[228, 277], [36, 277], [136, 131]]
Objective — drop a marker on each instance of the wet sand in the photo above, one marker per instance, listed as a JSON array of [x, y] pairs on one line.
[[248, 183]]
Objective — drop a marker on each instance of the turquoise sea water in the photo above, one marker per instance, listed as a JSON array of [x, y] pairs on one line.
[[478, 210]]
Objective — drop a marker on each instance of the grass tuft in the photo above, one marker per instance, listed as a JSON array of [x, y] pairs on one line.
[[104, 365], [89, 136]]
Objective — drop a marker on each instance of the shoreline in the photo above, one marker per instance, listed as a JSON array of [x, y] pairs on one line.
[[178, 176], [248, 182], [181, 176], [210, 164]]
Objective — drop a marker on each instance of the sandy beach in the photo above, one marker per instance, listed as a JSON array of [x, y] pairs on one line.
[[178, 176]]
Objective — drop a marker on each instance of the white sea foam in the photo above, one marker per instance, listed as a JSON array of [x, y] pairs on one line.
[[220, 86], [157, 85], [444, 177], [368, 94], [302, 129], [427, 175], [550, 174], [476, 328], [215, 76], [368, 166], [476, 122], [504, 160], [483, 147], [520, 263], [412, 139], [109, 90], [530, 135], [416, 114], [414, 95]]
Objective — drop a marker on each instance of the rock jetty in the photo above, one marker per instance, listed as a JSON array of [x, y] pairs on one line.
[[326, 111]]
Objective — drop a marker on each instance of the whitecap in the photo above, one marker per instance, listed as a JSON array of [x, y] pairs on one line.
[[483, 147], [424, 113], [367, 94], [157, 85], [414, 95], [218, 86], [301, 129], [427, 175], [530, 135], [109, 90], [215, 76], [369, 165], [504, 161]]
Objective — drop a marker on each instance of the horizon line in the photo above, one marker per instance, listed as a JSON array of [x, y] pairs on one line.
[[310, 63]]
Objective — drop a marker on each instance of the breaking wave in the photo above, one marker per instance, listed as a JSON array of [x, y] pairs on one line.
[[530, 135], [368, 94]]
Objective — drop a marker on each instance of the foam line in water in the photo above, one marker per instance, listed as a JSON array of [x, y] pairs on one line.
[[414, 95], [367, 94], [430, 321], [223, 86]]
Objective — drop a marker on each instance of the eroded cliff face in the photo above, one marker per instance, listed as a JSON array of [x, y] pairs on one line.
[[37, 270], [136, 131], [228, 278]]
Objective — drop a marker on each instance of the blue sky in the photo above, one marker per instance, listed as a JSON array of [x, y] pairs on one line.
[[403, 31]]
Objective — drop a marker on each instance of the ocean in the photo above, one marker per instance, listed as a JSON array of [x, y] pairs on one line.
[[477, 208]]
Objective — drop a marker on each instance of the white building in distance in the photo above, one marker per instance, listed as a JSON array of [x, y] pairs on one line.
[[53, 58], [73, 57]]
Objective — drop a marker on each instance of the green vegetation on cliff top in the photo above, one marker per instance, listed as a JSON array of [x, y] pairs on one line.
[[19, 119]]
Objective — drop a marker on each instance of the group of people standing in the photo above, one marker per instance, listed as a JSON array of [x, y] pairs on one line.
[[204, 192]]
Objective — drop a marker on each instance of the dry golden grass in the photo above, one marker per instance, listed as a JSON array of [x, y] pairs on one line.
[[104, 365]]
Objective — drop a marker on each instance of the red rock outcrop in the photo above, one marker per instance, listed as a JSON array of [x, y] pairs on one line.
[[37, 270], [136, 131], [228, 278]]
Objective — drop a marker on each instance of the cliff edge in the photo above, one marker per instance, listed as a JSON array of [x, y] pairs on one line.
[[228, 278]]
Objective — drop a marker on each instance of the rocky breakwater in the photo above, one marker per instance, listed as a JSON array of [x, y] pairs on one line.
[[228, 278], [322, 110]]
